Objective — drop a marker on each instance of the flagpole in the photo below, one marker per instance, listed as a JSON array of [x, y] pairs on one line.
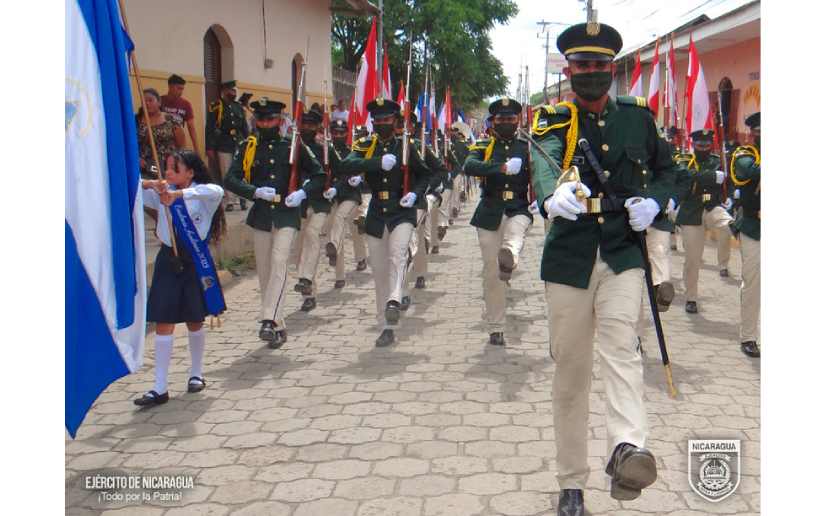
[[132, 56], [380, 48]]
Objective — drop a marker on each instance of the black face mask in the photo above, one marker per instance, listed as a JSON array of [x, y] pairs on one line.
[[308, 136], [384, 131], [506, 131], [702, 155], [591, 86], [269, 133]]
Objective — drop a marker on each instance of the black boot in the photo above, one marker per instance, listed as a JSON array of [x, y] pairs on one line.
[[506, 264], [279, 340], [361, 265], [497, 338], [664, 293], [340, 283], [420, 282], [571, 502], [392, 312], [691, 308], [442, 232], [435, 250], [405, 303], [751, 348], [332, 254], [243, 204], [386, 338], [632, 469], [304, 286], [309, 304], [267, 331], [724, 273]]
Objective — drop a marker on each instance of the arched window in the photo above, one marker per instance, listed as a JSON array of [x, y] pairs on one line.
[[218, 61], [728, 99]]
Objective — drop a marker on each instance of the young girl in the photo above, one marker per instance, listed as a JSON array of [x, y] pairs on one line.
[[176, 295]]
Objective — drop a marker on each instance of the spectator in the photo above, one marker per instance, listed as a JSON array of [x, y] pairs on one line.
[[177, 106], [340, 112], [168, 134]]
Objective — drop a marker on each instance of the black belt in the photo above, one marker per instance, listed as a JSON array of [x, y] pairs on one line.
[[598, 205], [505, 195]]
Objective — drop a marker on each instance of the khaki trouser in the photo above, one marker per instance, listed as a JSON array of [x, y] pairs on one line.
[[311, 246], [510, 234], [750, 291], [693, 238], [224, 162], [271, 255], [455, 198], [441, 215], [341, 223], [607, 308], [388, 259], [422, 234]]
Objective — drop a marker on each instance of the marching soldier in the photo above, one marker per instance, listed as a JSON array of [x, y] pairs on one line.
[[315, 212], [443, 190], [260, 172], [592, 262], [460, 149], [346, 196], [746, 174], [391, 217], [702, 207], [502, 216], [225, 128]]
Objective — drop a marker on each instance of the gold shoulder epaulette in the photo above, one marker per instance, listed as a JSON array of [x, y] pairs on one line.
[[362, 144], [629, 100], [480, 145]]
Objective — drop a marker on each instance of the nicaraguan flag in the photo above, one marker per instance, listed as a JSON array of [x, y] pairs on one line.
[[105, 257]]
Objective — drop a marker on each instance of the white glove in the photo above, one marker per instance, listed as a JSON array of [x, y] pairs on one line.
[[671, 206], [388, 161], [642, 212], [266, 193], [439, 188], [295, 198], [408, 200], [736, 194], [330, 193], [512, 166], [720, 177], [728, 203], [563, 202], [534, 207], [356, 180]]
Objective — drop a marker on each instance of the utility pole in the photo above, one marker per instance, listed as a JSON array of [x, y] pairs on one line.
[[544, 24], [380, 49]]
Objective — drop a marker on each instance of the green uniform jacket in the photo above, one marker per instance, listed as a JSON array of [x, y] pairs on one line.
[[460, 151], [226, 135], [386, 212], [344, 192], [271, 168], [495, 184], [701, 181], [628, 146], [316, 200], [746, 169]]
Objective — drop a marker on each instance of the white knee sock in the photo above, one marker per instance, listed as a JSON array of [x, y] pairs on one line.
[[197, 343], [163, 355]]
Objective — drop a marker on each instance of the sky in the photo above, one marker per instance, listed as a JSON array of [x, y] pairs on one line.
[[521, 42]]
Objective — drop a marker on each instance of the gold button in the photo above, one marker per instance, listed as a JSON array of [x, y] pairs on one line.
[[601, 195], [605, 147], [601, 123], [600, 220], [606, 173]]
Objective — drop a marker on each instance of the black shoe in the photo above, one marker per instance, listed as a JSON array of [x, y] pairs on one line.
[[497, 338], [340, 283], [332, 254], [571, 502], [267, 331], [426, 246], [304, 286], [195, 384], [386, 338], [243, 204], [462, 197], [151, 399], [442, 232], [420, 282], [361, 265], [506, 264], [691, 308], [632, 469], [309, 304], [452, 222], [405, 303], [724, 273], [435, 250], [454, 213], [229, 207], [393, 312], [664, 295], [751, 348], [673, 247], [278, 340]]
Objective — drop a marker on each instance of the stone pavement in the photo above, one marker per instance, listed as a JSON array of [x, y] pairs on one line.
[[440, 424]]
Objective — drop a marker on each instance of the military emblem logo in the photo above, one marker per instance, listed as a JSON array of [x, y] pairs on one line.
[[714, 467], [207, 282]]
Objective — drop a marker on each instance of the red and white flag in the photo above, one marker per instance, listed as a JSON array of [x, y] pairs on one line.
[[402, 96], [445, 117], [366, 87], [386, 82], [670, 88], [636, 78], [698, 114], [653, 90]]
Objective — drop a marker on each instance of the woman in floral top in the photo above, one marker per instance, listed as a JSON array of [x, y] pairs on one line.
[[167, 133]]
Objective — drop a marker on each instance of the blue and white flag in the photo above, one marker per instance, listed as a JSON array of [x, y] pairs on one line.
[[105, 256]]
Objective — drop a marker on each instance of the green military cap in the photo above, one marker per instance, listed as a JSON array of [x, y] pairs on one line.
[[754, 120], [589, 41], [265, 108], [382, 108], [228, 84], [312, 117], [505, 106], [702, 135]]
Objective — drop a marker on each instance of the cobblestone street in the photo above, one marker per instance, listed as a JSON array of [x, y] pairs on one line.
[[439, 424]]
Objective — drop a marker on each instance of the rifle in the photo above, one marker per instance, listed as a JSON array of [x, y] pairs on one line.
[[531, 194], [327, 140], [294, 147], [434, 122], [722, 152], [425, 108], [405, 143]]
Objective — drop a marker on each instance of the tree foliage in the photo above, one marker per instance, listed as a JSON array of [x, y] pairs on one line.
[[454, 33]]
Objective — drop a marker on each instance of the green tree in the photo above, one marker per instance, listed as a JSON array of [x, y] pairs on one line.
[[454, 33]]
